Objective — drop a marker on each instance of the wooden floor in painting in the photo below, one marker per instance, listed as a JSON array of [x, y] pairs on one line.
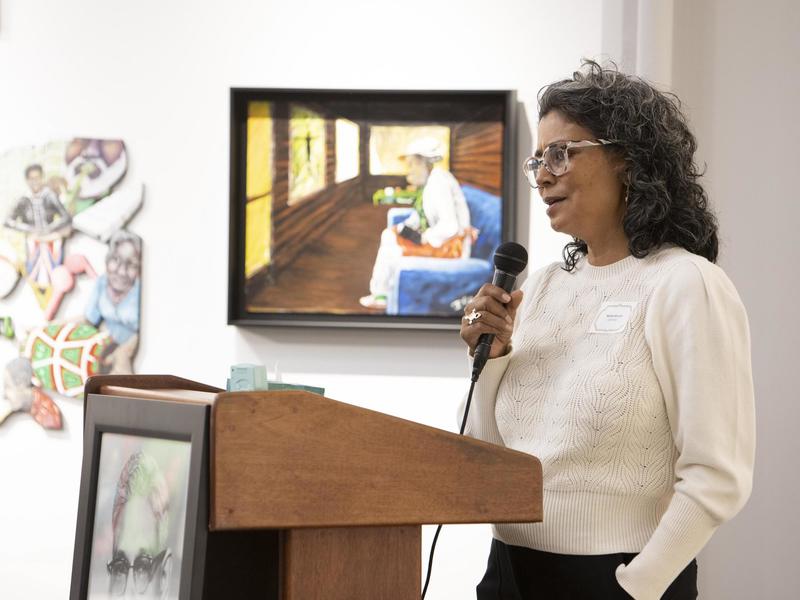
[[333, 272]]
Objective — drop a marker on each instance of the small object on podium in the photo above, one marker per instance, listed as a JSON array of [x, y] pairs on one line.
[[275, 386], [251, 378], [247, 378]]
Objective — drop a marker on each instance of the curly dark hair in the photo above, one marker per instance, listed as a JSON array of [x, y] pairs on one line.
[[665, 202]]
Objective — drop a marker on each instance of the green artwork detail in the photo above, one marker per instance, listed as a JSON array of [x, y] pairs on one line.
[[44, 375], [82, 331], [404, 196], [72, 355], [42, 350], [71, 380], [52, 330]]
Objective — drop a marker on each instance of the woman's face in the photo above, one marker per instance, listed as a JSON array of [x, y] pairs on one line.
[[418, 170], [122, 268], [586, 202]]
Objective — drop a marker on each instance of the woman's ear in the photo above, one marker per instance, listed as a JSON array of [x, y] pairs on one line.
[[621, 169]]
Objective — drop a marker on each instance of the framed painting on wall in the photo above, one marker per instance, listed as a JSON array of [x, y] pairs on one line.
[[143, 504], [366, 208]]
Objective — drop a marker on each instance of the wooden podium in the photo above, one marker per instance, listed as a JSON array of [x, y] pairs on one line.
[[313, 498]]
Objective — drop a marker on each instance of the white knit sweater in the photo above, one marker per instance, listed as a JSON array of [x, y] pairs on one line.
[[632, 384]]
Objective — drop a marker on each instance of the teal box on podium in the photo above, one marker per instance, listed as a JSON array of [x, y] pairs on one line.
[[246, 377]]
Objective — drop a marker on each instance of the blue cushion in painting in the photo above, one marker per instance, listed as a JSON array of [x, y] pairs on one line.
[[440, 286]]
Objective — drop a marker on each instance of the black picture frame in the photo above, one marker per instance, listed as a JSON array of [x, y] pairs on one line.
[[496, 177], [161, 420]]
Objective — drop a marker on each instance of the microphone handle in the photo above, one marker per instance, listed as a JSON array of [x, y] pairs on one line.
[[481, 355], [504, 280]]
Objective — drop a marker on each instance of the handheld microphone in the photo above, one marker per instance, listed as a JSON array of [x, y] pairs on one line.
[[510, 259]]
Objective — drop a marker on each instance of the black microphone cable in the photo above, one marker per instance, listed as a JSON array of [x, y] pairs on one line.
[[510, 259], [439, 527]]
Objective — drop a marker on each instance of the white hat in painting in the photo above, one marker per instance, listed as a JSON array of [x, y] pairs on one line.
[[426, 147]]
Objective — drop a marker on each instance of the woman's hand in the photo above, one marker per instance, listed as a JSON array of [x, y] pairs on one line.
[[497, 309]]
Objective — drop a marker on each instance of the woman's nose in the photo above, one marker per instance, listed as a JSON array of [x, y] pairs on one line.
[[544, 177]]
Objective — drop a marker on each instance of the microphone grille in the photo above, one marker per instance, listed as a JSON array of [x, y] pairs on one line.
[[511, 258]]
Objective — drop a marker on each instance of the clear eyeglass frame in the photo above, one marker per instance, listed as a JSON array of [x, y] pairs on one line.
[[555, 158]]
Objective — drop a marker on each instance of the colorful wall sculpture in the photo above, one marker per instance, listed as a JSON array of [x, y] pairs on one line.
[[70, 272]]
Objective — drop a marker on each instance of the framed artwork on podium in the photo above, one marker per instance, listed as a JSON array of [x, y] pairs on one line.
[[143, 507], [361, 208]]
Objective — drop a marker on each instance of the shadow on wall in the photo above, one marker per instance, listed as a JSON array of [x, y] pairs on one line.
[[524, 148]]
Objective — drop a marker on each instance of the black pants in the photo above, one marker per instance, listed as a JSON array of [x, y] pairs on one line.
[[516, 573]]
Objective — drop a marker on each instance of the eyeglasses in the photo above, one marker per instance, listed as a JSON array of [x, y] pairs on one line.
[[555, 158], [115, 263], [144, 568]]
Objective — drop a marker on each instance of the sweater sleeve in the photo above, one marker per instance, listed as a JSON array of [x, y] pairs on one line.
[[481, 422], [697, 331]]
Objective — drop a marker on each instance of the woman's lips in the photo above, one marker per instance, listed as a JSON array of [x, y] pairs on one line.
[[551, 204]]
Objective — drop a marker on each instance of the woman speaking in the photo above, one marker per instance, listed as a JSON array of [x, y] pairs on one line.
[[625, 368]]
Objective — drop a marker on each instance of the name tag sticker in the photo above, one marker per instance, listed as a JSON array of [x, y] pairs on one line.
[[612, 317]]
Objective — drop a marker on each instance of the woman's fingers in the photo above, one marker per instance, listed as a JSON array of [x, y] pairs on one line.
[[492, 298], [498, 293], [513, 305], [488, 305], [496, 309], [489, 323]]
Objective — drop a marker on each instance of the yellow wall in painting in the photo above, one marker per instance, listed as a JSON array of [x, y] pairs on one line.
[[257, 232], [258, 216]]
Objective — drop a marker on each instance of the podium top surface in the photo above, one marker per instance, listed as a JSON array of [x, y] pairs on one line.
[[170, 394], [289, 459]]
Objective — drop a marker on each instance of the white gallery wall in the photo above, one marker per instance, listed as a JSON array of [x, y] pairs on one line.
[[736, 66], [157, 75]]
